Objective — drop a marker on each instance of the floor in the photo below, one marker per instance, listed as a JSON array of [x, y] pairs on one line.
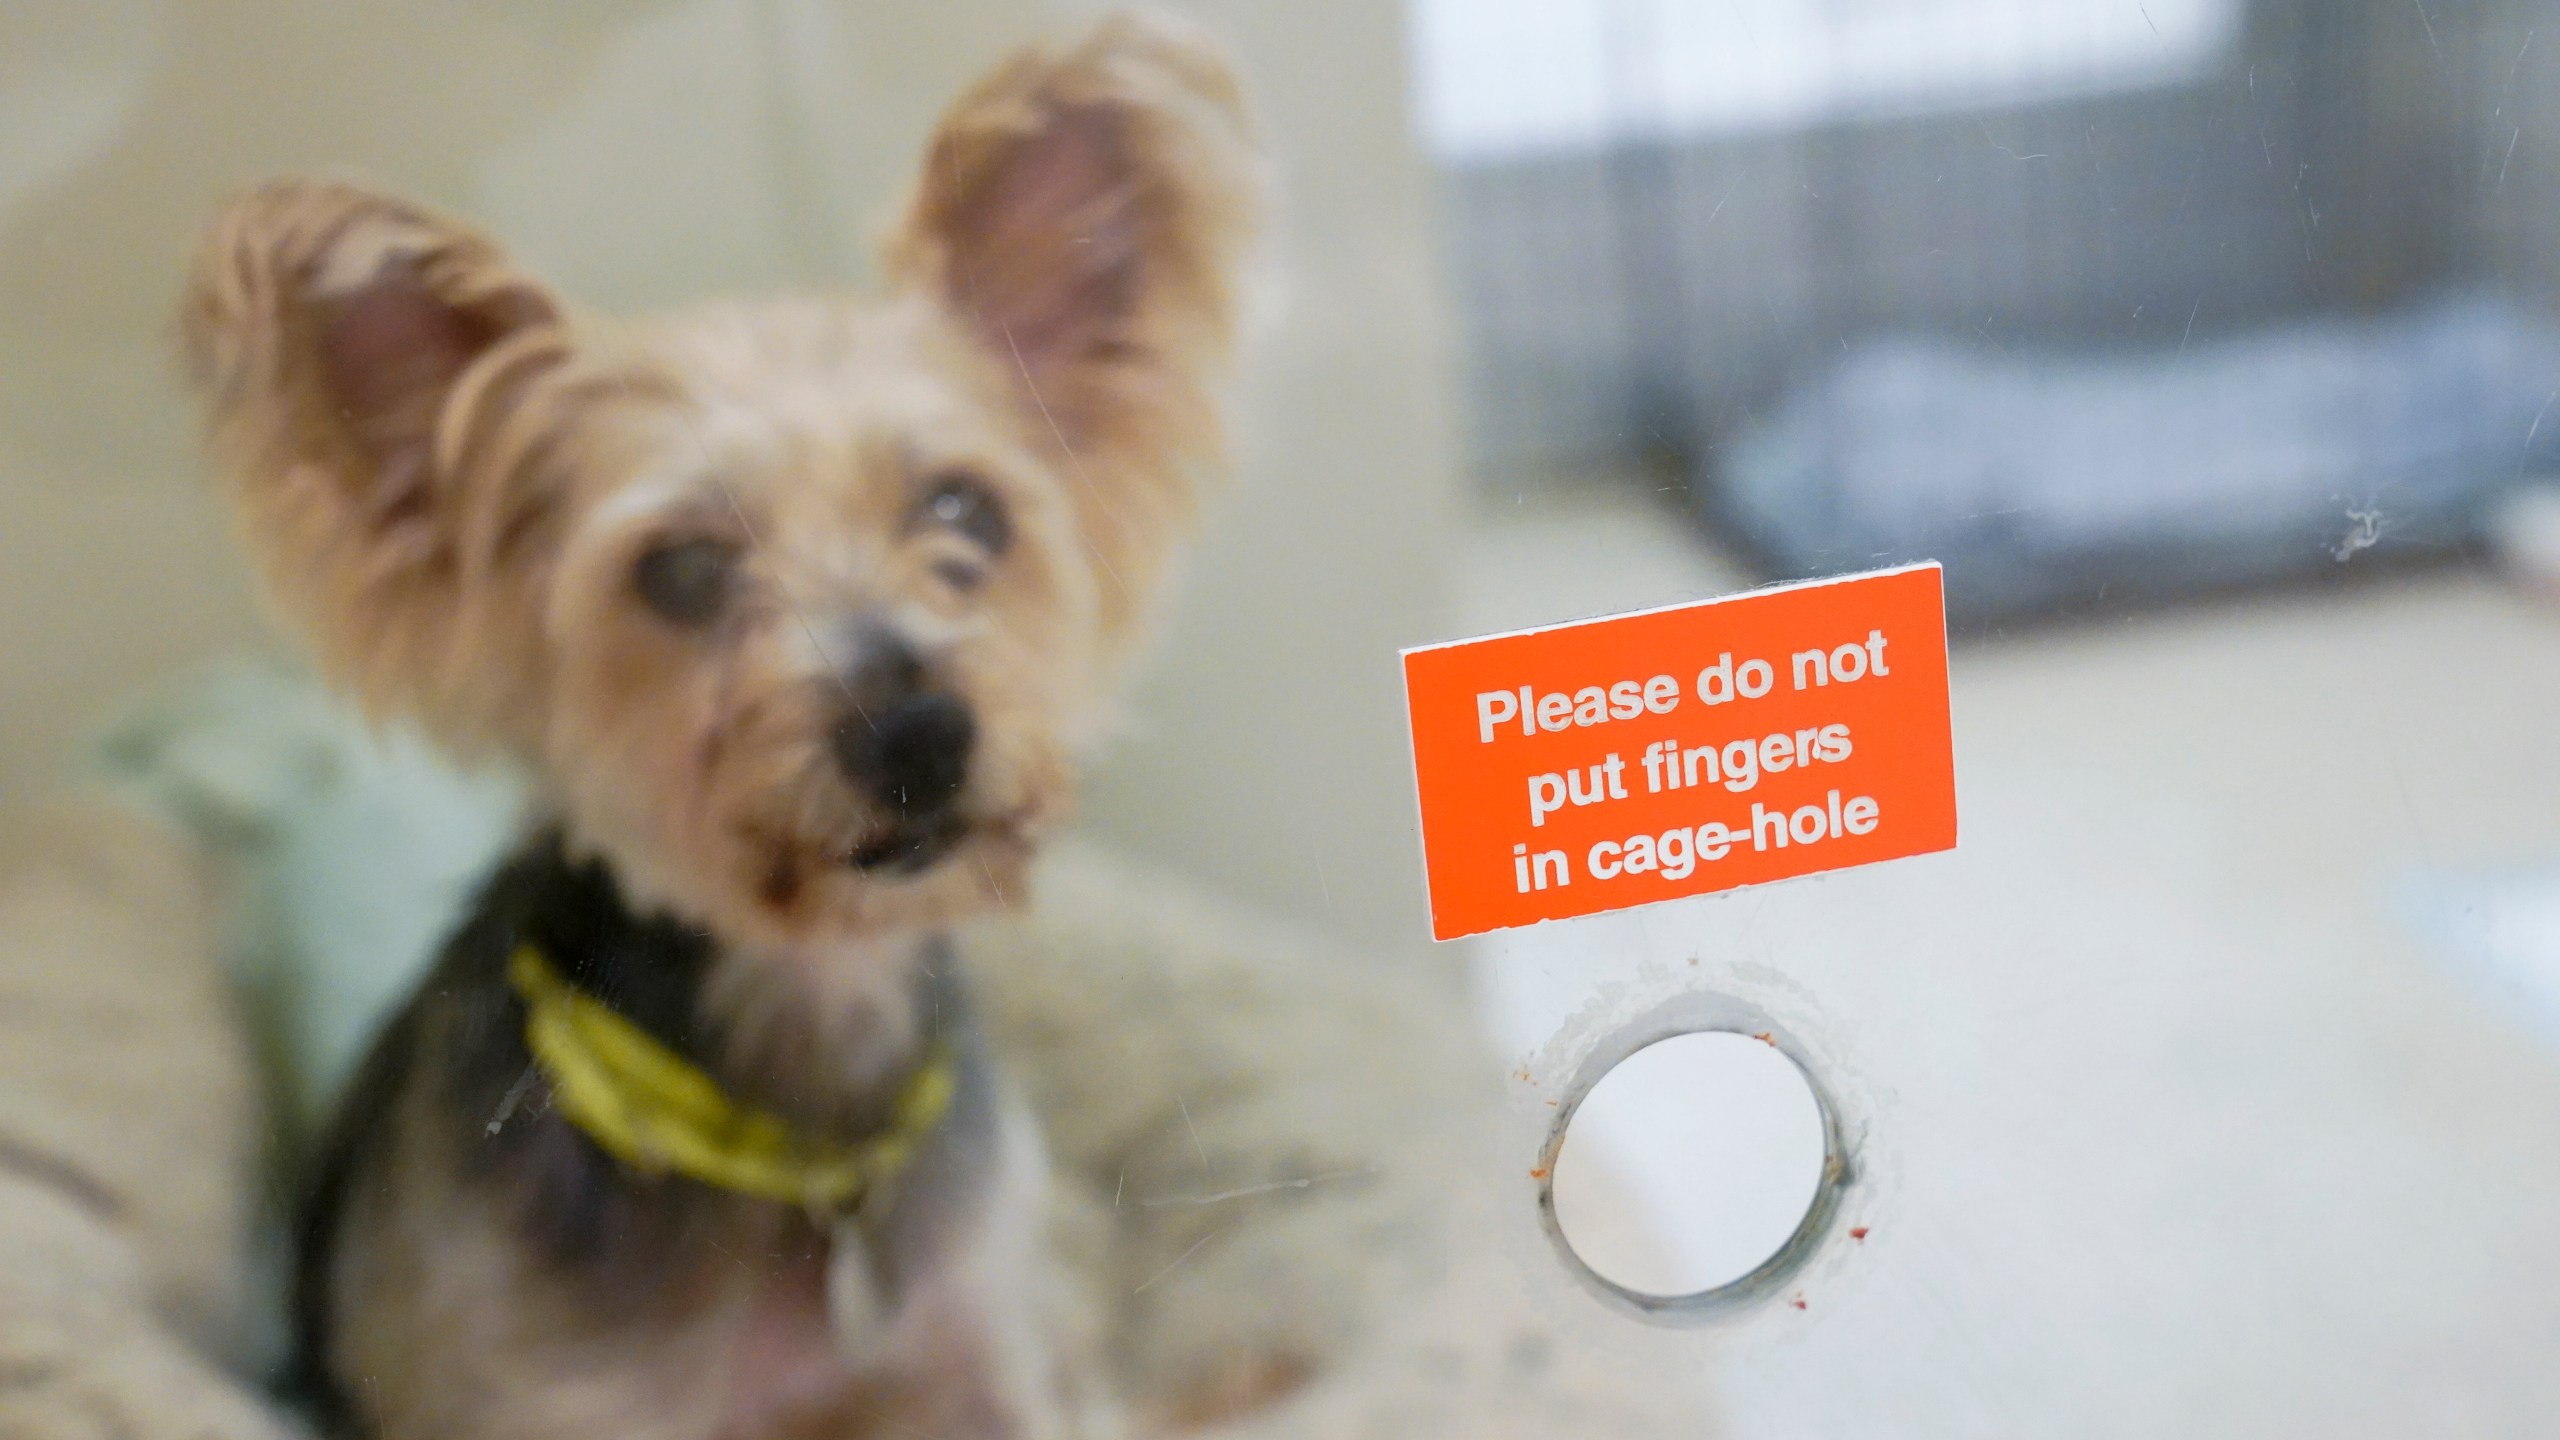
[[2175, 1113]]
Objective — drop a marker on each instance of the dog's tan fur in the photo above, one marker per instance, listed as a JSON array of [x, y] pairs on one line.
[[448, 477]]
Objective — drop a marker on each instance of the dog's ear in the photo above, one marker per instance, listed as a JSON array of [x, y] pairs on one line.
[[1084, 211], [360, 357]]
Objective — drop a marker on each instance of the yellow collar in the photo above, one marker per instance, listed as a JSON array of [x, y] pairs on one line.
[[655, 1111]]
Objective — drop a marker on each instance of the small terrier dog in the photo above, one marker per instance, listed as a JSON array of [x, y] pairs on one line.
[[796, 614]]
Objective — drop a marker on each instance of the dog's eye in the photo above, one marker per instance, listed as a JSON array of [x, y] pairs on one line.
[[686, 581], [961, 503]]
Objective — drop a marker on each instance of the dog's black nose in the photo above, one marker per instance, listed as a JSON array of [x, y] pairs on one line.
[[905, 745], [924, 745]]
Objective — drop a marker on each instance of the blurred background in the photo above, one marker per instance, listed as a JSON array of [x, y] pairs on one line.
[[2211, 1086]]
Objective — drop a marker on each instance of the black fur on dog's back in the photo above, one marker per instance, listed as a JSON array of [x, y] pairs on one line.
[[648, 968], [451, 1069], [378, 1081]]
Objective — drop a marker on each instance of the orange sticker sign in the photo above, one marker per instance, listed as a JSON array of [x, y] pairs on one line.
[[1606, 763]]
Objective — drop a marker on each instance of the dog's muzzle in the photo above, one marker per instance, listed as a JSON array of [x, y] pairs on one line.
[[905, 745]]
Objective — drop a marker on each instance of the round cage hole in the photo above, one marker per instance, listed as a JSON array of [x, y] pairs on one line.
[[1694, 1166]]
